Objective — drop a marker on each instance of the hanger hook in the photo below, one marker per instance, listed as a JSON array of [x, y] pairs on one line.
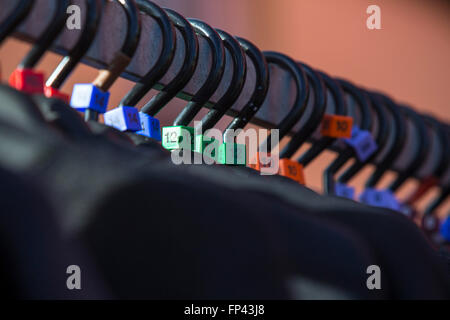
[[214, 77], [302, 94], [260, 90], [315, 116], [122, 58], [165, 57], [236, 83], [70, 61], [19, 14], [186, 71]]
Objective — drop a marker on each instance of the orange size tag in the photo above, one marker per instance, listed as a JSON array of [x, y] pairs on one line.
[[335, 126], [266, 165], [50, 92], [293, 170], [261, 161]]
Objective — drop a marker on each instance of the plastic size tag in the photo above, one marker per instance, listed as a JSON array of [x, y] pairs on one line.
[[150, 127], [265, 163], [88, 96], [445, 229], [28, 81], [380, 198], [50, 92], [344, 191], [256, 162], [232, 154], [292, 170], [335, 126], [362, 142], [123, 119], [201, 143], [178, 137]]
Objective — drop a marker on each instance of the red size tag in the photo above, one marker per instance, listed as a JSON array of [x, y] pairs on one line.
[[50, 92], [27, 80]]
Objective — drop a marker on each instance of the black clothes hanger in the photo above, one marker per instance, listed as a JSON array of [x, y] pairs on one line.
[[443, 164], [224, 153], [315, 116], [435, 163], [24, 78], [97, 91], [444, 143], [264, 158], [16, 17], [165, 57], [150, 126], [211, 83], [186, 71], [438, 201], [397, 140], [347, 153], [48, 36], [236, 83], [340, 109], [228, 98], [430, 221], [256, 100], [420, 148], [299, 105], [390, 153], [172, 136], [381, 122], [55, 110], [260, 91], [94, 10], [126, 116]]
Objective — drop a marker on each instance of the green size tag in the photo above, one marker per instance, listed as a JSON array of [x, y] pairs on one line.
[[232, 154], [177, 137], [206, 146]]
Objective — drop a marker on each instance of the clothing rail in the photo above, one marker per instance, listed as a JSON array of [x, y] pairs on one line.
[[111, 35]]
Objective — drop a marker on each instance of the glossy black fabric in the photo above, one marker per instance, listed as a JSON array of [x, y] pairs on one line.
[[156, 230], [248, 260], [405, 256], [91, 177], [34, 253]]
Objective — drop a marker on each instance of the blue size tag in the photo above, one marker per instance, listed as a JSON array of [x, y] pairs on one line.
[[445, 229], [123, 119], [380, 198], [362, 142], [344, 191], [88, 96], [150, 127]]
